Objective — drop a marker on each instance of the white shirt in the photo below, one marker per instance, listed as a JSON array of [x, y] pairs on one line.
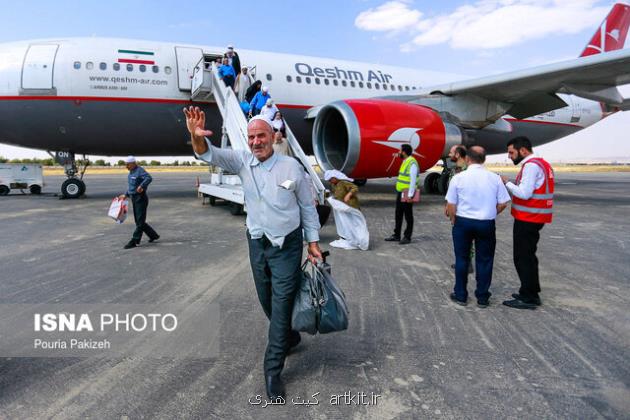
[[531, 179], [269, 111], [413, 174], [476, 193]]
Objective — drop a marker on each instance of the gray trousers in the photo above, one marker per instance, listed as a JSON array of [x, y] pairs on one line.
[[277, 273]]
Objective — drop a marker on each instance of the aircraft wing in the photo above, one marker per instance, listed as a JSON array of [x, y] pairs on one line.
[[533, 91]]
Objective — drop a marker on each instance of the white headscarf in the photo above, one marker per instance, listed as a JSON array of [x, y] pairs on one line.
[[333, 173]]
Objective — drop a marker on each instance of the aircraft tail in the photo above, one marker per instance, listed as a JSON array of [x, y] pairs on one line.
[[611, 34]]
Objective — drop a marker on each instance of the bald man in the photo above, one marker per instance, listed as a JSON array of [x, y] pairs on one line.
[[279, 206]]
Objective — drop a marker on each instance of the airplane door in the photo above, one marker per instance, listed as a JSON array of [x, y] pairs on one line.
[[37, 71], [187, 59]]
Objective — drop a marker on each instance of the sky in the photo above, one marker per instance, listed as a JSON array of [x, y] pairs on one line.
[[473, 38]]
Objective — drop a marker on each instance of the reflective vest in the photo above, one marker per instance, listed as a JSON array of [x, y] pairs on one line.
[[403, 174], [538, 208]]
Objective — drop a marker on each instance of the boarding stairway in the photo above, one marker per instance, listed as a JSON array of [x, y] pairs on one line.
[[206, 86]]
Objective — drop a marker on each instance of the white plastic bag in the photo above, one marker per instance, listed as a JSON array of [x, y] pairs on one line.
[[118, 209], [351, 226]]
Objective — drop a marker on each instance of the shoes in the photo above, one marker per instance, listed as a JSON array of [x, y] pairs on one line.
[[483, 303], [393, 238], [130, 244], [536, 301], [519, 304], [274, 386], [405, 241], [457, 301], [154, 239]]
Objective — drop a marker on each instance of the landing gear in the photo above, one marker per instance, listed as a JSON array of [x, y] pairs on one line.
[[73, 187], [430, 183], [437, 183]]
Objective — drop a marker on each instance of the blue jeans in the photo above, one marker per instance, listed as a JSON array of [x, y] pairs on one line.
[[483, 233]]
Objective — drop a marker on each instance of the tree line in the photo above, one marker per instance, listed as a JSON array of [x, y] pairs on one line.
[[102, 162]]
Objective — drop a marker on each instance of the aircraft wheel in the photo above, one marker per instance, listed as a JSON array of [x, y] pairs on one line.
[[236, 209], [4, 190], [442, 183], [72, 188], [35, 189], [430, 182], [360, 182]]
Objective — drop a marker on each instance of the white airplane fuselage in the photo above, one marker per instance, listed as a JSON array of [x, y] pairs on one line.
[[116, 96]]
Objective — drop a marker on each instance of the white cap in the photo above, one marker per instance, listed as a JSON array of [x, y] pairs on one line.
[[265, 88], [333, 173], [261, 118], [130, 159], [230, 47], [269, 102]]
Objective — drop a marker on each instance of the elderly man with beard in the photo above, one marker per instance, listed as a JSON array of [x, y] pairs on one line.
[[279, 206]]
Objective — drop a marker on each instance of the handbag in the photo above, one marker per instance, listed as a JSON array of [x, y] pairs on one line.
[[118, 209], [320, 305], [414, 199]]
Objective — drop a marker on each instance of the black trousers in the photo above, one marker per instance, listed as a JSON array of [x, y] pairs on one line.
[[405, 209], [140, 204], [277, 274], [525, 237]]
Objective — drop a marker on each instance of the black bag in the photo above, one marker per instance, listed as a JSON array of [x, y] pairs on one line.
[[305, 306], [320, 305]]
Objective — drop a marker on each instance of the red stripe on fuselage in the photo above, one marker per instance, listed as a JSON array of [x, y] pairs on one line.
[[130, 61]]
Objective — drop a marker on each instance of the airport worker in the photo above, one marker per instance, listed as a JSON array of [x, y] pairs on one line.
[[475, 197], [226, 73], [457, 156], [138, 181], [233, 59], [406, 185], [269, 110], [343, 188], [243, 81], [280, 212], [532, 202], [259, 101], [252, 91]]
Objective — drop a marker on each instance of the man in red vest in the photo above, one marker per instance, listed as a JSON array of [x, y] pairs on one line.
[[532, 202]]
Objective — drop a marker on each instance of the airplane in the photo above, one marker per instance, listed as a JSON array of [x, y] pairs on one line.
[[110, 96]]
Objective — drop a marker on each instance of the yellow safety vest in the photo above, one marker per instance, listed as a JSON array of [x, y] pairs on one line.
[[403, 174]]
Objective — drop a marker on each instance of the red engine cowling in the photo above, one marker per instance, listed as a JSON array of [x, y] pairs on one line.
[[360, 137]]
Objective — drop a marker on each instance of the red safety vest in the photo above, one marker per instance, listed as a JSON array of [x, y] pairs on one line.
[[538, 209]]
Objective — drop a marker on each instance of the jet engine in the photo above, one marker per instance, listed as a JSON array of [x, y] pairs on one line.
[[361, 137]]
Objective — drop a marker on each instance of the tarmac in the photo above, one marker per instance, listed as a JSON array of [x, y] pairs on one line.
[[425, 356]]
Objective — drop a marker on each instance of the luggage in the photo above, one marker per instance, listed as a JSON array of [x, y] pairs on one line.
[[320, 305], [118, 209]]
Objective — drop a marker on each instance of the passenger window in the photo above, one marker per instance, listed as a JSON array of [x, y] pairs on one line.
[[102, 66], [352, 83], [89, 65], [317, 81], [406, 87], [116, 66], [384, 86], [289, 78], [167, 70], [269, 76], [400, 88], [129, 67], [155, 69], [77, 65], [143, 68], [361, 85], [414, 88], [392, 87], [307, 80], [369, 85], [377, 86], [335, 82], [298, 79], [344, 83], [326, 82]]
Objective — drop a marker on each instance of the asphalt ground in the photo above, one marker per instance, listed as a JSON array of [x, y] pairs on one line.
[[425, 356]]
